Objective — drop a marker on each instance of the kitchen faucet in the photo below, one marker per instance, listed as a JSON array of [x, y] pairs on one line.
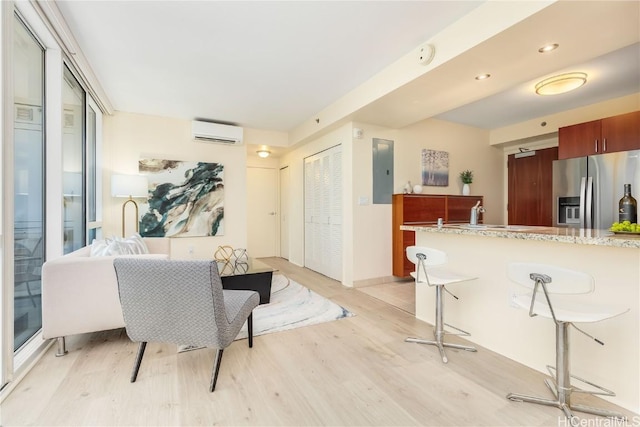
[[477, 209]]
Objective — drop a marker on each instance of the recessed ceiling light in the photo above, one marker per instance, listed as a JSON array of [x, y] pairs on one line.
[[548, 48], [263, 153], [561, 83], [483, 76]]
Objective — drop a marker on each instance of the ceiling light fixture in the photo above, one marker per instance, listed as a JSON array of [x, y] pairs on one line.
[[561, 83], [263, 153], [483, 76], [548, 48]]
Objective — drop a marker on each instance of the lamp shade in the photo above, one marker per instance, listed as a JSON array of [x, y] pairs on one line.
[[129, 186]]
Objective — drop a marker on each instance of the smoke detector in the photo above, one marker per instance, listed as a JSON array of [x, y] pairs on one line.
[[425, 54]]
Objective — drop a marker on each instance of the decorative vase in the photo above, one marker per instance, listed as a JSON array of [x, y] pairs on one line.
[[466, 190], [417, 188]]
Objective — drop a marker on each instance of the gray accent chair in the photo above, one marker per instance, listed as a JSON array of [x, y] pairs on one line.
[[181, 302]]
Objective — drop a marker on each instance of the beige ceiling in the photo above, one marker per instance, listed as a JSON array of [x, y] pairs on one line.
[[599, 38], [274, 65]]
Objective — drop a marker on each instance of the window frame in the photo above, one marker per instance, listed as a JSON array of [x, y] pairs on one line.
[[35, 16]]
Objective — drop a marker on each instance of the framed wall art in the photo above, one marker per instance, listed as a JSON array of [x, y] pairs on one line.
[[435, 168], [186, 199]]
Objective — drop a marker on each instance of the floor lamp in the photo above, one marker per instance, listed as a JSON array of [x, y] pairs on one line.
[[129, 186]]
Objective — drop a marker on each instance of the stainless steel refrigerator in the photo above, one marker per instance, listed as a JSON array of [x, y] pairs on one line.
[[586, 190]]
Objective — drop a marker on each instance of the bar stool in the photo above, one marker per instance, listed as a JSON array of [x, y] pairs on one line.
[[424, 257], [545, 281]]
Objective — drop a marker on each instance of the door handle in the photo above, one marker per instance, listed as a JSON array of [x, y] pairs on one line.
[[271, 213], [589, 203], [583, 189]]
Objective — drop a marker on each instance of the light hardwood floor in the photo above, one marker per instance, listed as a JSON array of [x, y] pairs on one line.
[[353, 371], [401, 294]]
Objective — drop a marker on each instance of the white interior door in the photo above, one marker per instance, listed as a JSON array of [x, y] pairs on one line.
[[284, 213], [323, 212], [262, 217]]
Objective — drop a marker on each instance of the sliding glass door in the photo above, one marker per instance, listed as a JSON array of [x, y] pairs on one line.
[[29, 190], [51, 173]]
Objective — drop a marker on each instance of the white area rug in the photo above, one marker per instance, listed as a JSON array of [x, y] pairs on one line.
[[291, 306]]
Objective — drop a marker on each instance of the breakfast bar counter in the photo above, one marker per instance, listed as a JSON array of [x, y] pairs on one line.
[[526, 232], [485, 308]]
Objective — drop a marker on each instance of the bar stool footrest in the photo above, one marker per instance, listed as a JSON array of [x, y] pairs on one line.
[[567, 409], [601, 391], [460, 333]]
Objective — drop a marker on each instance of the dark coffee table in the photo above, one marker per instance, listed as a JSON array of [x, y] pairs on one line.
[[247, 274]]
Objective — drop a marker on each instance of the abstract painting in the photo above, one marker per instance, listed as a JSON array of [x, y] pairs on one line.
[[186, 199], [435, 168]]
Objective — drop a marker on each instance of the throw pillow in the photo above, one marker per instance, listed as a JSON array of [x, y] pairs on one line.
[[135, 244], [101, 247], [132, 245]]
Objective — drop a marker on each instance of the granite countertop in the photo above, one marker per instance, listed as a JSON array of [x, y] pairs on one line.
[[525, 232]]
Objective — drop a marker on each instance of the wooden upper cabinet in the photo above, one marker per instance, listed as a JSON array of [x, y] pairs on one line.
[[618, 133], [579, 140], [621, 133]]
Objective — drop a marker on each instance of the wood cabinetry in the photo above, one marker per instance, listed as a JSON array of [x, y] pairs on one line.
[[621, 133], [530, 187], [423, 209], [617, 133]]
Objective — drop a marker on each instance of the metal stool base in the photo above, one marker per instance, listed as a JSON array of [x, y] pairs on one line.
[[440, 344], [566, 408], [562, 389], [438, 330]]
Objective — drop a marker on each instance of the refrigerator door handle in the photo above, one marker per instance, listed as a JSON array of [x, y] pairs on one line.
[[589, 203], [583, 184]]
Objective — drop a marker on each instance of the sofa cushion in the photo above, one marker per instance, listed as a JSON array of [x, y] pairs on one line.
[[133, 245]]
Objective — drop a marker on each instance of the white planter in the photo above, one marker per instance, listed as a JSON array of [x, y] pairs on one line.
[[466, 190]]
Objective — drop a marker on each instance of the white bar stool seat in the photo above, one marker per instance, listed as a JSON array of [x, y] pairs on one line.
[[424, 259], [545, 281]]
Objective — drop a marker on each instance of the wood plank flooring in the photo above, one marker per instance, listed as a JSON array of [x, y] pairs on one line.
[[399, 294], [355, 371]]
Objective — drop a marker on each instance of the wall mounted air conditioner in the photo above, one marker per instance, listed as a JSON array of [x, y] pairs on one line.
[[216, 133]]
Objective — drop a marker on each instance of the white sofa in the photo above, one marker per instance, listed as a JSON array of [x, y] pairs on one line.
[[80, 292]]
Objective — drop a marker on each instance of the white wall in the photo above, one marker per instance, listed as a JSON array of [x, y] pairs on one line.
[[129, 137], [367, 228], [371, 222], [295, 161], [468, 148]]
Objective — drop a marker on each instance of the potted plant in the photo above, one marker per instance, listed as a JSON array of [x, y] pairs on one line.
[[467, 178]]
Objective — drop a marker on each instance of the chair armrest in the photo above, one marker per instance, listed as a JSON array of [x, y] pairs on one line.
[[80, 294]]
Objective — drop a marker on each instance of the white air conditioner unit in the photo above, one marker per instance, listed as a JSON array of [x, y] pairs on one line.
[[216, 133]]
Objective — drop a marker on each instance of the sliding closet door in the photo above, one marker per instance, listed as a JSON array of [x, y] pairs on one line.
[[323, 212]]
